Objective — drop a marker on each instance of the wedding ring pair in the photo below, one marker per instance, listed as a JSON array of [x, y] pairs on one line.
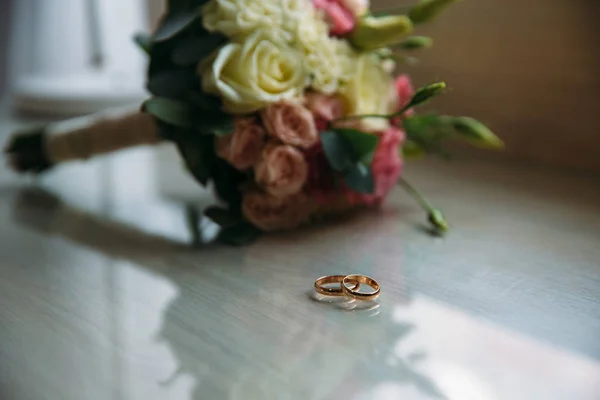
[[349, 285]]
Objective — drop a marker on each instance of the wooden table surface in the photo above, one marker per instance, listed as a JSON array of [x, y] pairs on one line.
[[102, 296]]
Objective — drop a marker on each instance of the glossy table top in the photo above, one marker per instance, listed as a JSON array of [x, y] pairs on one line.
[[103, 297]]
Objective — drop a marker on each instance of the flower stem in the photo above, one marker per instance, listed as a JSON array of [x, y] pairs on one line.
[[363, 116], [435, 216], [416, 194]]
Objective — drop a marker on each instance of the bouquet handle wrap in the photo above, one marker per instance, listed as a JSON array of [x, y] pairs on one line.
[[82, 138]]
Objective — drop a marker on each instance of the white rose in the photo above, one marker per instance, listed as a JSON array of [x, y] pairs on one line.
[[367, 92], [243, 17], [327, 60], [254, 73]]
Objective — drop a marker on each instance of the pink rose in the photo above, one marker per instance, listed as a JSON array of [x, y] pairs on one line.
[[244, 146], [277, 213], [291, 123], [282, 170], [341, 19], [386, 167], [324, 108]]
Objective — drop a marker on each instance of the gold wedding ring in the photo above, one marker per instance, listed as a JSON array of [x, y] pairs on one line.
[[333, 291], [361, 279]]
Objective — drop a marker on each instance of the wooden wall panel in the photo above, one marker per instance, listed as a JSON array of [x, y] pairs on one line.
[[528, 68]]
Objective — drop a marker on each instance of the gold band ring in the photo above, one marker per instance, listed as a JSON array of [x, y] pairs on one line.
[[333, 291], [352, 292]]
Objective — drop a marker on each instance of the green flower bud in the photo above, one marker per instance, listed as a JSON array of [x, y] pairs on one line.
[[436, 218], [476, 133], [426, 10], [375, 32], [416, 42], [411, 150], [424, 94]]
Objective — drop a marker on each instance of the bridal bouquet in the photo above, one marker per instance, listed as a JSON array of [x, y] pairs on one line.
[[290, 109]]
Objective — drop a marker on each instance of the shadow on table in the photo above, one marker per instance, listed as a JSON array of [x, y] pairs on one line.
[[204, 351]]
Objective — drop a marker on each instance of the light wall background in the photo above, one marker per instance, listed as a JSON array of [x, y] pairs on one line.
[[5, 7], [528, 68]]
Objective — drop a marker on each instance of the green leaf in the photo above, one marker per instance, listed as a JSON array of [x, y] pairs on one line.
[[175, 83], [223, 217], [198, 154], [476, 133], [363, 144], [360, 179], [412, 150], [193, 49], [173, 112], [338, 150], [144, 42], [239, 235], [174, 23], [227, 181], [218, 124], [178, 5], [204, 101], [424, 94], [426, 10], [416, 42], [428, 132], [423, 126]]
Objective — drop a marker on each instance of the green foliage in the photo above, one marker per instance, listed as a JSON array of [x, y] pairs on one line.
[[350, 152], [227, 181], [416, 42], [411, 150], [218, 124], [173, 112], [424, 94], [240, 234], [198, 154], [476, 133], [360, 179], [223, 217], [179, 5], [338, 151], [427, 10], [195, 48], [144, 42], [175, 22], [429, 131], [173, 83], [363, 144], [204, 102]]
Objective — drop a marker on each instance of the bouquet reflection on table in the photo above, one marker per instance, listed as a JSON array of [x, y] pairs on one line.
[[255, 362]]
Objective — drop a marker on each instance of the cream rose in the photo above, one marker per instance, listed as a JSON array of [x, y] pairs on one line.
[[244, 146], [274, 213], [369, 92], [254, 73], [291, 123], [282, 170]]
